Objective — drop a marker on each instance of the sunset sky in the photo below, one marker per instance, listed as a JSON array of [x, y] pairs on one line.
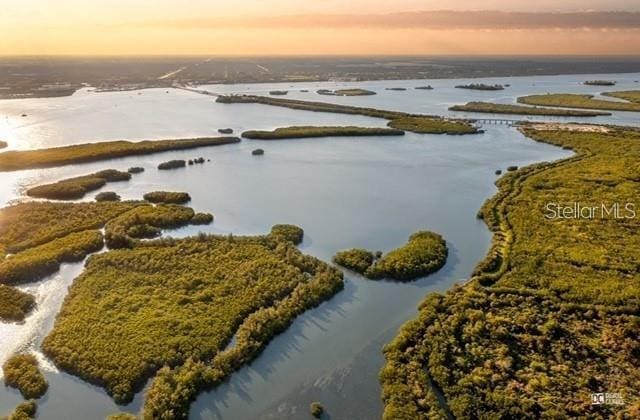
[[289, 27]]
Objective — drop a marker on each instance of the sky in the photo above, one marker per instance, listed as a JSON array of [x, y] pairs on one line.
[[327, 27]]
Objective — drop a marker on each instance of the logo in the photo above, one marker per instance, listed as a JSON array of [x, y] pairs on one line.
[[607, 398]]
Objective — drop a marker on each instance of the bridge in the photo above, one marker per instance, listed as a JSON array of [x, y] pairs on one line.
[[495, 121]]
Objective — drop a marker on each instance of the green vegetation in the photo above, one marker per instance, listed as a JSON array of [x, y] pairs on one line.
[[92, 152], [316, 409], [310, 131], [480, 86], [21, 372], [346, 92], [202, 219], [135, 170], [172, 164], [491, 108], [600, 83], [43, 260], [121, 416], [421, 123], [177, 303], [427, 125], [143, 222], [290, 233], [356, 259], [167, 197], [424, 253], [551, 315], [257, 152], [76, 188], [627, 95], [14, 304], [571, 100], [107, 196], [24, 411]]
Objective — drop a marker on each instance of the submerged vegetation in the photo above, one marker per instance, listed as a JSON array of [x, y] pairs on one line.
[[421, 123], [167, 197], [76, 188], [572, 100], [480, 86], [491, 108], [91, 152], [424, 253], [177, 303], [21, 372], [551, 315], [297, 132]]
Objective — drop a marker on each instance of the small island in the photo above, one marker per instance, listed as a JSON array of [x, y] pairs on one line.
[[296, 132], [107, 196], [135, 170], [433, 125], [76, 188], [427, 87], [167, 197], [15, 160], [21, 371], [172, 164], [600, 83], [278, 92], [491, 108], [225, 130], [3, 144], [573, 100], [257, 152], [424, 253], [346, 92], [480, 86]]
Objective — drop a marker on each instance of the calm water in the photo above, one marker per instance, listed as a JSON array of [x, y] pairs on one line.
[[364, 192]]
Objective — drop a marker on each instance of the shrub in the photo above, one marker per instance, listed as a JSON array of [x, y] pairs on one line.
[[107, 196], [425, 253], [75, 188], [202, 219], [24, 411], [167, 197], [358, 260], [291, 233], [316, 409], [172, 164], [21, 372], [14, 304]]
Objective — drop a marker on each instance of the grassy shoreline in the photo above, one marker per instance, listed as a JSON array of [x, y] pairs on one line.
[[92, 152], [297, 132], [492, 108]]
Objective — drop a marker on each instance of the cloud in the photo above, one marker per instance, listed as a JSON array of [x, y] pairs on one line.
[[440, 19]]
